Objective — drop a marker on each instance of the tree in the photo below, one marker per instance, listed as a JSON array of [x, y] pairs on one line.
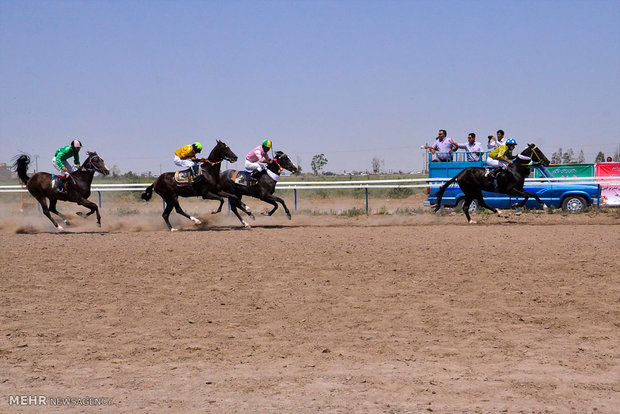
[[376, 165], [115, 171], [600, 157], [556, 157], [568, 156], [318, 162], [298, 172], [582, 157]]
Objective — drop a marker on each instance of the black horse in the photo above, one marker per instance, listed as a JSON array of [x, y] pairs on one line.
[[474, 180], [77, 186], [239, 183], [208, 182]]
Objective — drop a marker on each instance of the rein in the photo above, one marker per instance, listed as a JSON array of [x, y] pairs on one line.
[[278, 164], [211, 162], [90, 168]]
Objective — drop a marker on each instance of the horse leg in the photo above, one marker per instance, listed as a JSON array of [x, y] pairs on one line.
[[273, 200], [527, 195], [46, 211], [234, 204], [466, 204], [93, 209], [478, 196], [269, 200], [166, 214], [212, 196], [52, 208], [240, 204], [179, 210]]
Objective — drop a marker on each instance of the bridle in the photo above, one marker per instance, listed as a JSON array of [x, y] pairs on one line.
[[275, 159], [535, 153], [88, 164]]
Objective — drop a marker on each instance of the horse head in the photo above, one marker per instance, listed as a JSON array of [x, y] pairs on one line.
[[222, 152], [95, 163], [284, 162], [537, 156]]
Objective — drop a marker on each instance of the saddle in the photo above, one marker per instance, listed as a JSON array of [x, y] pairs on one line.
[[494, 174], [57, 183], [243, 178], [187, 176]]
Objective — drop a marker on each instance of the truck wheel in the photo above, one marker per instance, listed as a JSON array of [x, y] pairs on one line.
[[574, 204], [472, 207]]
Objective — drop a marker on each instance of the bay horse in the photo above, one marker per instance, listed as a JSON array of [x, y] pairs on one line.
[[208, 182], [262, 188], [474, 180], [77, 185]]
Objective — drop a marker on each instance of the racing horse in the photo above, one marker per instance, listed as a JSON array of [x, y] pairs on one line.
[[239, 183], [208, 182], [474, 180], [77, 186]]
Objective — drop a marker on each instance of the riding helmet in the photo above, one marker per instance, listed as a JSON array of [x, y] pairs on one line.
[[510, 141], [76, 144], [197, 146], [267, 144]]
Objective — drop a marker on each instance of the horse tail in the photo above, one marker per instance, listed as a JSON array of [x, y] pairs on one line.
[[21, 168], [148, 193], [442, 190]]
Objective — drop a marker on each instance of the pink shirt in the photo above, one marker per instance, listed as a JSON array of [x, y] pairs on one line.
[[258, 155]]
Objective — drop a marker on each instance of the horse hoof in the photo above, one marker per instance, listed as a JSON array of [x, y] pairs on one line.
[[499, 212], [215, 211], [98, 224], [173, 229], [473, 222], [545, 207], [246, 225], [59, 228], [289, 216], [195, 220], [67, 222]]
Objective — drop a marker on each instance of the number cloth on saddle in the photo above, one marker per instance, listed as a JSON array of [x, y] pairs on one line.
[[242, 178], [187, 176]]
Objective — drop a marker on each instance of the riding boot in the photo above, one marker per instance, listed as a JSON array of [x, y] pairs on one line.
[[254, 174]]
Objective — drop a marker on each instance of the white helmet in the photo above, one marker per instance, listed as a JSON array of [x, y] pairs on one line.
[[76, 144]]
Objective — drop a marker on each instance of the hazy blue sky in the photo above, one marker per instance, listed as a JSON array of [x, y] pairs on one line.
[[134, 80]]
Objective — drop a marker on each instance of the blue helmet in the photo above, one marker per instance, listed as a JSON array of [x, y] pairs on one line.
[[510, 141]]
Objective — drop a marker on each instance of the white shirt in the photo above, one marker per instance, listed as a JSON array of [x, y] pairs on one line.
[[494, 144], [473, 150]]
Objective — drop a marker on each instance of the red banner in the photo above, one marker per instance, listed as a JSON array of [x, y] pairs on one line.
[[608, 169], [610, 193]]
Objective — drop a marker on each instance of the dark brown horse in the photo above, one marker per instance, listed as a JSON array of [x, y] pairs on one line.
[[474, 180], [208, 182], [262, 189], [77, 186]]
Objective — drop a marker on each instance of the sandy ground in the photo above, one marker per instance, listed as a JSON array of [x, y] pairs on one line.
[[386, 313]]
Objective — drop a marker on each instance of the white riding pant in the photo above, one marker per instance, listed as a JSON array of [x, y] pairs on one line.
[[496, 163], [67, 166], [251, 166], [183, 163]]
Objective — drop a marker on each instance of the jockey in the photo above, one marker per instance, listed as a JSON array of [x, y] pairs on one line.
[[60, 163], [257, 159], [502, 156], [185, 157]]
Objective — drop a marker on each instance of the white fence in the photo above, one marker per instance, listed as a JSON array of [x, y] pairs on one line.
[[342, 184]]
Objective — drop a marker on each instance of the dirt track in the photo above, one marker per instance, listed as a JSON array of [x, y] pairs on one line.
[[387, 314]]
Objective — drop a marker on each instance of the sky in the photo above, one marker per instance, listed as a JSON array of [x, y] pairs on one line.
[[354, 80]]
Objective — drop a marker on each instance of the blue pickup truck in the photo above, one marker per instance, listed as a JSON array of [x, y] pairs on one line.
[[568, 196]]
